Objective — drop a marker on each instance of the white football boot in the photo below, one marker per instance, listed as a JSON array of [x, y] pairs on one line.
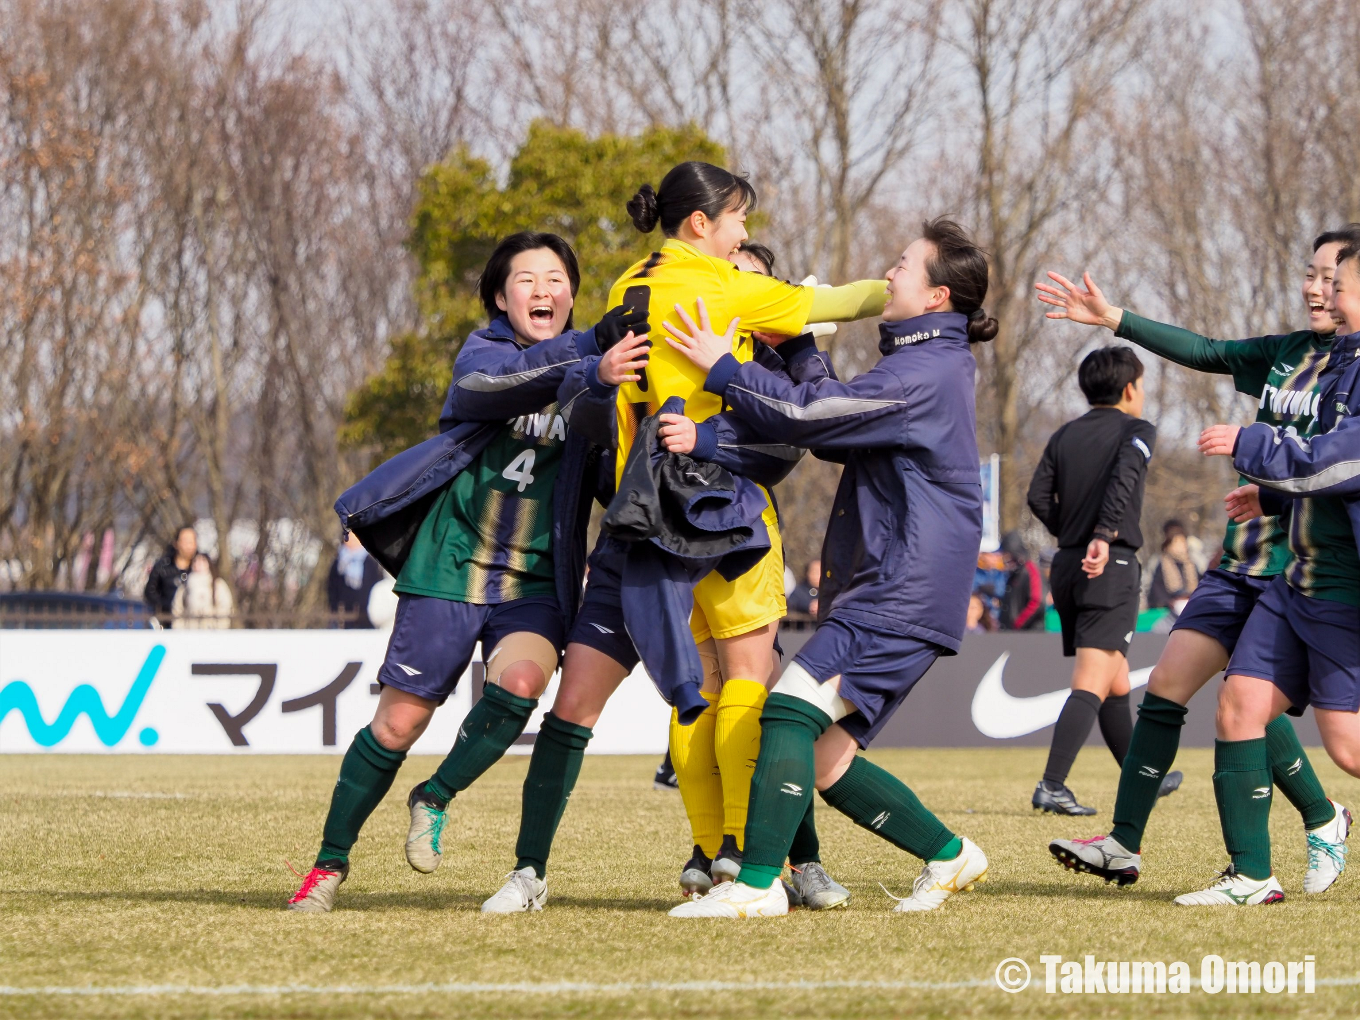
[[523, 891], [317, 895], [940, 880], [1104, 856], [1327, 851], [1234, 890], [732, 899], [814, 889], [425, 837]]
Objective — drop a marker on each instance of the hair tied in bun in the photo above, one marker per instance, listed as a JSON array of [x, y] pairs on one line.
[[643, 209]]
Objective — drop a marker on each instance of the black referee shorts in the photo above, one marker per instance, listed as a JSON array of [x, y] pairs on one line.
[[1099, 612]]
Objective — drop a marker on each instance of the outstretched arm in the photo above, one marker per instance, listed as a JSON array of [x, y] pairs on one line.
[[866, 412], [1281, 459], [588, 395]]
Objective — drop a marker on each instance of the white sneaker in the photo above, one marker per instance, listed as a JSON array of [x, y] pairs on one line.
[[1234, 890], [1101, 855], [425, 837], [523, 891], [940, 880], [732, 899], [1327, 851]]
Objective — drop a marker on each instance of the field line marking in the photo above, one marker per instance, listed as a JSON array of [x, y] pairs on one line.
[[530, 988], [474, 987]]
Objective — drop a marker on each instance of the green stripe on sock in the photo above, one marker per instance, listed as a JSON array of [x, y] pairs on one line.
[[1152, 751], [494, 723], [1293, 774], [782, 785], [366, 774], [1242, 788], [553, 770], [758, 876], [874, 799]]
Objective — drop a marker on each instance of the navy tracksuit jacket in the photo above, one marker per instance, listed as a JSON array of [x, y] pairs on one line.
[[1326, 464], [906, 524], [494, 381]]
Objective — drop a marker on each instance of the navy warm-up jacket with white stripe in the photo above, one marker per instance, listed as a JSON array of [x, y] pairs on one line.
[[906, 523]]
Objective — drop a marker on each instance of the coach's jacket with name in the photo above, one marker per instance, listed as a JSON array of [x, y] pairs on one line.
[[906, 523], [495, 380]]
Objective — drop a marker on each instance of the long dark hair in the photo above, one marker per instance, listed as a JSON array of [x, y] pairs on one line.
[[688, 188], [960, 265], [497, 269]]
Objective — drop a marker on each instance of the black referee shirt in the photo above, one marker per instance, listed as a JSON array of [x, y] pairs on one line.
[[1089, 482]]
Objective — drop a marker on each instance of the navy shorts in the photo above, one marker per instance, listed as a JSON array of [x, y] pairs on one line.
[[1220, 605], [433, 639], [877, 670], [599, 624], [1308, 648]]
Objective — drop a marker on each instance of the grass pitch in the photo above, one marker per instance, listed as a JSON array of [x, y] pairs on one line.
[[155, 886]]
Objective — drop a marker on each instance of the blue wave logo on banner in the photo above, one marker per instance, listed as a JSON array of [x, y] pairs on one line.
[[17, 696]]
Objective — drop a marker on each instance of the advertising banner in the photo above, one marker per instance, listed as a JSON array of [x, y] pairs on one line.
[[307, 692]]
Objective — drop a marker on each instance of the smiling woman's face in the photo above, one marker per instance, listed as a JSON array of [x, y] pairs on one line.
[[537, 296]]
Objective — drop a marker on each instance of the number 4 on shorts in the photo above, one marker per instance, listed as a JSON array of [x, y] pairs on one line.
[[521, 469]]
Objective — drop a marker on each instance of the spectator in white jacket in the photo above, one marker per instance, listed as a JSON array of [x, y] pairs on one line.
[[203, 601]]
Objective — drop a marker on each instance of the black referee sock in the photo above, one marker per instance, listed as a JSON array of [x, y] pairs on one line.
[[1074, 726], [1116, 726]]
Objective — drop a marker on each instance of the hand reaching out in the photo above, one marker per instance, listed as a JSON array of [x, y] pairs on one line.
[[1219, 440], [701, 345], [1087, 306], [677, 433], [622, 362], [1244, 503]]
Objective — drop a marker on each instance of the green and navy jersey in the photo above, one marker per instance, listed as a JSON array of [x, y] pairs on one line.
[[1282, 372], [1324, 563], [487, 538]]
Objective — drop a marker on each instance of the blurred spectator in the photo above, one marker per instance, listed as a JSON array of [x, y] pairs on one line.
[[979, 620], [1175, 575], [803, 598], [170, 571], [1022, 603], [203, 601], [352, 577], [989, 583]]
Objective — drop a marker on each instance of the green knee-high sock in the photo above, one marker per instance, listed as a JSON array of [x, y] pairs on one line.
[[1242, 789], [806, 847], [366, 774], [874, 799], [1156, 738], [494, 724], [781, 786], [1293, 774], [556, 762]]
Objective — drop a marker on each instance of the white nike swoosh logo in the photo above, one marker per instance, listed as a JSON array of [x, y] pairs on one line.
[[1002, 716]]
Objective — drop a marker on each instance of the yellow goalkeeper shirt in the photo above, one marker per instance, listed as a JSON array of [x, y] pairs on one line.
[[677, 275]]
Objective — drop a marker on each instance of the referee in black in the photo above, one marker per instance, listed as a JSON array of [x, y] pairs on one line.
[[1088, 492]]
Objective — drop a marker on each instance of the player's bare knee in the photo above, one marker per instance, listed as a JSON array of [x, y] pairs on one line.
[[524, 679], [395, 734]]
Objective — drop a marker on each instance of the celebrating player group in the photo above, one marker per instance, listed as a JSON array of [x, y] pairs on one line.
[[682, 409]]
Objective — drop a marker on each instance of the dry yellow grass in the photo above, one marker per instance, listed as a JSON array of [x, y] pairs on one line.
[[122, 873]]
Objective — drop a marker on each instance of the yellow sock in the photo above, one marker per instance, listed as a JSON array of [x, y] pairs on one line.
[[737, 743], [701, 787]]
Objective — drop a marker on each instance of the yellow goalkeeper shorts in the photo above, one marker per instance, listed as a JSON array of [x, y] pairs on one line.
[[726, 609]]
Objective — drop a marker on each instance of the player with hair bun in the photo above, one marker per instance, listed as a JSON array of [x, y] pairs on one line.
[[898, 558]]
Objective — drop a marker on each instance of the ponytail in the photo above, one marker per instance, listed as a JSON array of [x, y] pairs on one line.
[[688, 188], [959, 264]]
